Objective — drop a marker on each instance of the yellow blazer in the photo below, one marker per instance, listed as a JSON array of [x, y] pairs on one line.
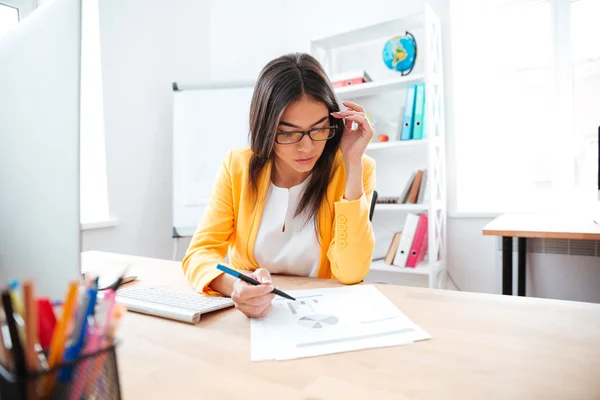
[[231, 220]]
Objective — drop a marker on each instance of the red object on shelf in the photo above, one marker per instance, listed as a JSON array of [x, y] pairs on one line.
[[418, 248], [348, 82], [350, 78]]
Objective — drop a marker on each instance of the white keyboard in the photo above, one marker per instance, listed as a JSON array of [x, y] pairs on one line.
[[171, 304]]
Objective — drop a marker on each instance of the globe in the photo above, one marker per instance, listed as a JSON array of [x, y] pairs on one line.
[[400, 53]]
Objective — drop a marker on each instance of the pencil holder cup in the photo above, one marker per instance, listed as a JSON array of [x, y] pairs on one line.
[[91, 376]]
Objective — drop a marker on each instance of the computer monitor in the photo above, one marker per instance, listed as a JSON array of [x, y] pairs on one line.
[[39, 148]]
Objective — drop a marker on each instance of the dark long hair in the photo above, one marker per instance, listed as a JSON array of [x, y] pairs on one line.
[[282, 82]]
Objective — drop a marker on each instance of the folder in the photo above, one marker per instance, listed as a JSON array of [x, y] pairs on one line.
[[419, 244], [414, 190], [389, 258], [421, 196], [406, 239], [419, 120], [407, 123], [406, 191], [350, 78]]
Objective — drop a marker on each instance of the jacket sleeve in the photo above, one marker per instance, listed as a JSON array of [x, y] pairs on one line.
[[351, 249], [212, 237]]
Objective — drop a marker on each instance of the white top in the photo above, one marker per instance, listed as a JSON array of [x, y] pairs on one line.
[[286, 244]]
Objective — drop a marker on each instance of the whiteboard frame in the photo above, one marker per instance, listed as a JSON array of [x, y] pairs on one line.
[[185, 231], [177, 87]]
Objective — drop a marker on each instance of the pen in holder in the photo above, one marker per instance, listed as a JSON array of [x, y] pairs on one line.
[[93, 376]]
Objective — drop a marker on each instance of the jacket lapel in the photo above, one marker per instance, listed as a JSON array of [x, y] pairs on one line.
[[257, 211], [326, 214]]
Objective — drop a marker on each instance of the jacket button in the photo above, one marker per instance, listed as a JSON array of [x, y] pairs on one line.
[[342, 235], [341, 219], [342, 243], [342, 227]]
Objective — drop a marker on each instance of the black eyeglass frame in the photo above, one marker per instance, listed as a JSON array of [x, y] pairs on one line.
[[332, 130]]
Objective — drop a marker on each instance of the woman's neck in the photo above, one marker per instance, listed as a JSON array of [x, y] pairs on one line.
[[284, 176]]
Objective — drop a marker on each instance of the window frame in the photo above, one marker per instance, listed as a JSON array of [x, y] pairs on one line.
[[24, 7], [93, 132]]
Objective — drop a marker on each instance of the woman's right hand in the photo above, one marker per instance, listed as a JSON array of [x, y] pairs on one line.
[[254, 301]]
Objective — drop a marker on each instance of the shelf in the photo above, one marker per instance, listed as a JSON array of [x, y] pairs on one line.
[[378, 87], [359, 49], [422, 269], [401, 207], [395, 144], [372, 32]]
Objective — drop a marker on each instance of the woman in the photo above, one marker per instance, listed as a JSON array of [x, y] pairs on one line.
[[297, 201]]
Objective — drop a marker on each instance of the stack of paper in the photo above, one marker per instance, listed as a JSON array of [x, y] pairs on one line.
[[326, 321]]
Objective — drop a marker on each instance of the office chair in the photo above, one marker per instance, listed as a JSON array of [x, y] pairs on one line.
[[373, 201]]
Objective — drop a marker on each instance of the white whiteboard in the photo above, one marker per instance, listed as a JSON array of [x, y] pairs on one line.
[[208, 120]]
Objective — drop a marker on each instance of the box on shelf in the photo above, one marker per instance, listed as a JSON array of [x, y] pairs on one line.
[[350, 78]]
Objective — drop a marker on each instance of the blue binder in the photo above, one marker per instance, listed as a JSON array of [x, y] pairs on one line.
[[419, 119], [407, 123]]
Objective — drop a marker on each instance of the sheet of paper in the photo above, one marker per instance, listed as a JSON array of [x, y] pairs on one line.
[[326, 321]]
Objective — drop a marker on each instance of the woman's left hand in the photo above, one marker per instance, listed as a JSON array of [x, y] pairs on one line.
[[354, 141]]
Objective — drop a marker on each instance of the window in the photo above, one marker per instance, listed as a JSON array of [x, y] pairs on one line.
[[93, 180], [9, 17], [586, 93], [94, 191], [519, 112]]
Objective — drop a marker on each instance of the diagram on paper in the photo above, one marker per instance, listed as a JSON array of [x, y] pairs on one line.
[[318, 321], [304, 305]]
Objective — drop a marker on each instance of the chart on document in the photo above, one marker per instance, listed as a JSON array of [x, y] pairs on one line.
[[324, 321]]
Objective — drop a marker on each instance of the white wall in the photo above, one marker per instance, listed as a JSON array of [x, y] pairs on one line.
[[270, 28], [146, 45], [471, 256]]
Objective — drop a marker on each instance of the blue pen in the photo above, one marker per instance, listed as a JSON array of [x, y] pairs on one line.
[[75, 347], [251, 281]]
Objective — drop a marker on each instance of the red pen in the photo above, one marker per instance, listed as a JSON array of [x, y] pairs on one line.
[[46, 322]]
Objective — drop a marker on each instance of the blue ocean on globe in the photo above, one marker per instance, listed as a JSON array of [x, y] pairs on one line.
[[400, 52]]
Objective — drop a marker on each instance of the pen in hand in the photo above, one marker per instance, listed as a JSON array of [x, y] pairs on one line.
[[251, 281]]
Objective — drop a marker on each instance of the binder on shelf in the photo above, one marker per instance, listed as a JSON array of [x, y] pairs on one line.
[[406, 191], [414, 190], [406, 239], [421, 196], [419, 244], [350, 78], [389, 258], [419, 118], [407, 123]]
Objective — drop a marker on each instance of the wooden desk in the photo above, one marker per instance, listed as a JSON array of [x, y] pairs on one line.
[[483, 347], [523, 226]]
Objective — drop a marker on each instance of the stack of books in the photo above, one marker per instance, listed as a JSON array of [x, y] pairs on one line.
[[414, 192]]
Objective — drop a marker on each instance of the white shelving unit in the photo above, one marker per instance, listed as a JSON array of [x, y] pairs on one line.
[[361, 49], [396, 144], [402, 207], [422, 269]]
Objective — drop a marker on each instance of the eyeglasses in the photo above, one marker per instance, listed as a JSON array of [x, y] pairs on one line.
[[316, 135]]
